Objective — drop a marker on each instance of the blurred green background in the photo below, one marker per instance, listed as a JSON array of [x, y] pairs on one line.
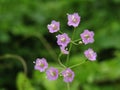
[[24, 33]]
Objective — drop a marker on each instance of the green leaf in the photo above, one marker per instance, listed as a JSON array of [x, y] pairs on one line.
[[23, 83]]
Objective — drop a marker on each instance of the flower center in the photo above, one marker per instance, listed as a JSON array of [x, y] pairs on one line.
[[68, 74], [87, 36], [74, 20], [90, 54], [54, 26], [40, 64], [52, 73], [63, 39]]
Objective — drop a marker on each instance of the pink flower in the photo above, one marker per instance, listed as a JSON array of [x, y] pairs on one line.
[[68, 75], [54, 26], [52, 73], [41, 64], [73, 19], [90, 54], [87, 36], [63, 40], [63, 50]]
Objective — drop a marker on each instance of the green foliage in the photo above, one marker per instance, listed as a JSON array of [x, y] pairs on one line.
[[23, 83], [23, 31]]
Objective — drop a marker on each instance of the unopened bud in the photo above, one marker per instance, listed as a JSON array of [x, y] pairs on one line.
[[33, 61], [80, 42]]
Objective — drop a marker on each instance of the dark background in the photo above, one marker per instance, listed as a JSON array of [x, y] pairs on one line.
[[24, 33]]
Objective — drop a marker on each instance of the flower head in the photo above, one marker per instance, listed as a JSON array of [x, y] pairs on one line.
[[41, 64], [87, 36], [90, 54], [63, 40], [63, 50], [68, 75], [52, 73], [73, 19], [54, 26]]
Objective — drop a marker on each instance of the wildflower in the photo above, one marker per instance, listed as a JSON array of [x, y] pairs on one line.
[[63, 50], [68, 75], [63, 39], [73, 19], [90, 54], [41, 64], [52, 73], [54, 26], [87, 36]]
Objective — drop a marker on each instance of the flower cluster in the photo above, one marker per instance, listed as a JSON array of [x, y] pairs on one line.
[[63, 41]]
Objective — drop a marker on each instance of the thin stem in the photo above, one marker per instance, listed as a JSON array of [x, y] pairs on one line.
[[74, 43], [73, 66], [68, 86], [17, 58], [61, 68], [77, 40], [60, 61], [47, 46], [68, 56], [60, 32]]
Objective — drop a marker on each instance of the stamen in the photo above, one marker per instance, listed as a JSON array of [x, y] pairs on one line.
[[52, 73], [87, 36], [74, 19], [54, 26], [63, 39]]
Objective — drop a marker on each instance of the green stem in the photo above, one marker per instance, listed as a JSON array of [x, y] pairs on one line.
[[68, 56], [77, 40], [17, 58], [60, 32], [68, 86], [60, 61], [73, 66], [74, 43]]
